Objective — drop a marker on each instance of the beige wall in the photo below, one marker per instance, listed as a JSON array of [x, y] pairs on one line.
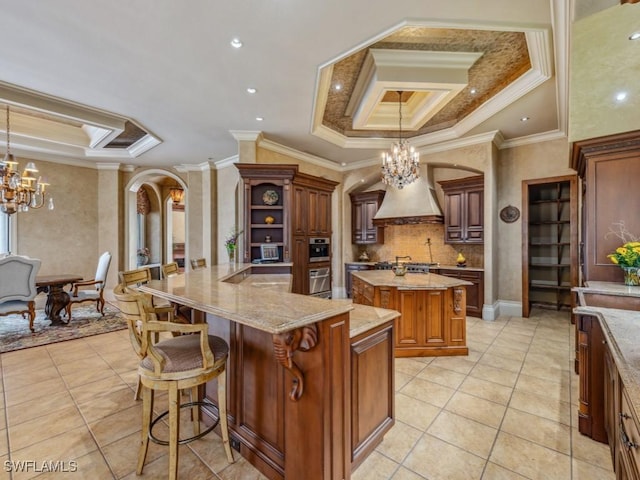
[[603, 62]]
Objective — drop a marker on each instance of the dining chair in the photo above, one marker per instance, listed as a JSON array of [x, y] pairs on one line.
[[170, 269], [186, 362], [18, 286], [197, 263], [81, 293]]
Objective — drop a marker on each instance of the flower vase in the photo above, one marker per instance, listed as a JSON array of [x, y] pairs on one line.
[[631, 276], [231, 251], [142, 259]]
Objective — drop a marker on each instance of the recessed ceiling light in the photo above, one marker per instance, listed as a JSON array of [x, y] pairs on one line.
[[344, 164], [634, 36], [236, 43], [251, 90], [524, 119], [338, 86], [621, 96], [259, 119], [473, 91]]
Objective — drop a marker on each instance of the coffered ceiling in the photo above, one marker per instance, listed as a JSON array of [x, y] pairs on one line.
[[157, 83]]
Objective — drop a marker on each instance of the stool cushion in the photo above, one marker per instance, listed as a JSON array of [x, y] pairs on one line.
[[183, 353]]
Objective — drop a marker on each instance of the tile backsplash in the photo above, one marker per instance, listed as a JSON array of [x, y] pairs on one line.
[[400, 240]]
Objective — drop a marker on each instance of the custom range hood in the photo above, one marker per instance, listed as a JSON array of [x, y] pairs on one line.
[[415, 203]]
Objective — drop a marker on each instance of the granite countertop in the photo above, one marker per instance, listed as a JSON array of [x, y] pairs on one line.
[[622, 333], [609, 288], [409, 281], [261, 301], [447, 267]]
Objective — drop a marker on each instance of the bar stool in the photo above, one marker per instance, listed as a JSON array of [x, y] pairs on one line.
[[182, 362], [197, 263]]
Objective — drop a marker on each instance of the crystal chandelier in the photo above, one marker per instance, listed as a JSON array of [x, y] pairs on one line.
[[19, 193], [400, 166]]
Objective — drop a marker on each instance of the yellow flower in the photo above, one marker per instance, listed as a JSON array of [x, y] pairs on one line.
[[632, 245], [613, 259], [621, 250]]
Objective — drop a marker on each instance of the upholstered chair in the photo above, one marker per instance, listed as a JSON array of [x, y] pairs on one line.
[[184, 362], [18, 286], [91, 290]]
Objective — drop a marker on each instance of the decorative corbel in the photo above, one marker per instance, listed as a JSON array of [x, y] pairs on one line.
[[284, 346], [457, 300]]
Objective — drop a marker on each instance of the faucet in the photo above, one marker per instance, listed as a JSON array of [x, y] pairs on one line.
[[428, 243], [398, 258]]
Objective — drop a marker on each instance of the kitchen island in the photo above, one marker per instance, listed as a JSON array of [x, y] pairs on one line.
[[432, 310], [300, 374]]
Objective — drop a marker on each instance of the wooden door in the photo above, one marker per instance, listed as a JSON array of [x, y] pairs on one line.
[[474, 216]]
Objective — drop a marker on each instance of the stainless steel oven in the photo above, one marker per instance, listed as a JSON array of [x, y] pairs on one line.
[[320, 282], [319, 249]]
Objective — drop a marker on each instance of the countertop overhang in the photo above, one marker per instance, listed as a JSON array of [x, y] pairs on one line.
[[409, 281], [260, 301]]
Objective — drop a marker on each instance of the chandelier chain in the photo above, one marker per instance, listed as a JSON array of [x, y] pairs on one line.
[[8, 133]]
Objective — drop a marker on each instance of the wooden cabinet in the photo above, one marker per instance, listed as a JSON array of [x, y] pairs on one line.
[[372, 390], [464, 210], [353, 267], [550, 231], [267, 200], [364, 207], [432, 322], [475, 292], [312, 205], [610, 401]]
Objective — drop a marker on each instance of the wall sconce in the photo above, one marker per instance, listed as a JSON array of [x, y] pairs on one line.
[[176, 194]]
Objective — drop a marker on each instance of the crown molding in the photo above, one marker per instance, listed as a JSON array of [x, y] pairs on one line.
[[246, 135], [226, 162], [108, 166], [536, 138], [298, 155]]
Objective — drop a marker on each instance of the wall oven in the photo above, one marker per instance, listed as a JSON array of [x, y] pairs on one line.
[[319, 249]]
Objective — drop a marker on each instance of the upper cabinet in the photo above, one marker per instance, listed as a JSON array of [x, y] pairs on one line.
[[464, 210], [364, 207], [312, 205]]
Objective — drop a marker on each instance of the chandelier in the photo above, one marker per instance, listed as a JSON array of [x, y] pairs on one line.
[[400, 166], [19, 193]]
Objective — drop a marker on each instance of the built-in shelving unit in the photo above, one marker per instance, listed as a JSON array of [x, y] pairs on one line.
[[550, 237]]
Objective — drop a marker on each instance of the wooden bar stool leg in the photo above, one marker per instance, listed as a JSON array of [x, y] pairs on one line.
[[136, 395], [147, 411], [222, 411], [195, 411], [174, 430]]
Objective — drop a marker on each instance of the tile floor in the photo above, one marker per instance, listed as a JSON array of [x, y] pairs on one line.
[[507, 411]]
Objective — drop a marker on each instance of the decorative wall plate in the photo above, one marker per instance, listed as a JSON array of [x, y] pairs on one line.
[[270, 197], [509, 214]]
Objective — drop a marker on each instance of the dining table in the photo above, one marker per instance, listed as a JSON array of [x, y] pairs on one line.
[[57, 297]]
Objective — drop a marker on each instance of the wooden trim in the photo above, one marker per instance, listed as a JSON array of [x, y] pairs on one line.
[[379, 222], [466, 182], [594, 147]]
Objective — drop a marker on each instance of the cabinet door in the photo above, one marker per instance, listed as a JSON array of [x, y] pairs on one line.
[[610, 401], [320, 212], [299, 217], [408, 332], [474, 216], [370, 208], [300, 256], [358, 230], [454, 212], [434, 318]]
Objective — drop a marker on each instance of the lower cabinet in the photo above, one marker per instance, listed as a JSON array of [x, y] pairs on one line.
[[353, 267], [475, 292], [372, 392]]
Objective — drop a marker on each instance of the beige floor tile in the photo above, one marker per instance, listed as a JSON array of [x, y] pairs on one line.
[[241, 470], [466, 434], [4, 444], [89, 391], [405, 474], [5, 473], [415, 412], [543, 359], [29, 366], [189, 466], [211, 451], [408, 366], [430, 392], [375, 467], [38, 407], [70, 445], [442, 376], [401, 379], [488, 390], [496, 375], [34, 390], [122, 455], [546, 372], [506, 351], [93, 465], [114, 427], [399, 441], [543, 406], [478, 409], [496, 361], [32, 431], [23, 357], [107, 404], [547, 433], [552, 389], [588, 471], [438, 460], [20, 381], [529, 459], [496, 472], [457, 364], [590, 451]]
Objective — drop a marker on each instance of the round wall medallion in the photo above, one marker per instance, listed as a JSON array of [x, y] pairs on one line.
[[509, 214], [270, 197]]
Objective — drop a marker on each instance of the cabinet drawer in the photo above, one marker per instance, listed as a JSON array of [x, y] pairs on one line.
[[628, 436]]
